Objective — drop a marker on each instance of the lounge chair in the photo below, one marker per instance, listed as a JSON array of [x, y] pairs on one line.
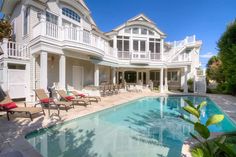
[[72, 99], [48, 102], [10, 107], [86, 95]]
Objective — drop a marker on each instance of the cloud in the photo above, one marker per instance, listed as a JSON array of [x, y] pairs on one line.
[[207, 55]]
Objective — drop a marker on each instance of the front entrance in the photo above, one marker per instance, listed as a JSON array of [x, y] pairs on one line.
[[78, 77]]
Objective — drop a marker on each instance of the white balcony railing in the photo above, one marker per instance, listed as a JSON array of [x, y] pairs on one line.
[[177, 46], [72, 34], [142, 56], [97, 43], [14, 50]]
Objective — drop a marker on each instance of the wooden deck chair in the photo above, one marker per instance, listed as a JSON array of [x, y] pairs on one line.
[[10, 107], [48, 102], [86, 95], [72, 99]]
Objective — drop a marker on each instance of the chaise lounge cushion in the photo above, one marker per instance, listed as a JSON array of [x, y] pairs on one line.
[[70, 98], [81, 95], [46, 100], [9, 106]]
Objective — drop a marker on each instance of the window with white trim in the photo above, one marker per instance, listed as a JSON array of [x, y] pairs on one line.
[[123, 43], [51, 18], [86, 36], [71, 14], [154, 45], [172, 76]]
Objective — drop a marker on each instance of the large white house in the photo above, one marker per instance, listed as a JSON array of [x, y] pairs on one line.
[[58, 42]]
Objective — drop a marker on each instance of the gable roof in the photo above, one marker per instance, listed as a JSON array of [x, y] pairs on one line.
[[140, 19]]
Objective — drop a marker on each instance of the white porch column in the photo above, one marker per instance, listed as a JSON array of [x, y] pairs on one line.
[[185, 80], [28, 91], [62, 72], [147, 76], [113, 76], [43, 70], [162, 49], [161, 80], [96, 75], [137, 76], [115, 45], [123, 76], [166, 80]]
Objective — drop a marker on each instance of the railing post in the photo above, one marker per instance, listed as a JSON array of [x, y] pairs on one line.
[[5, 47]]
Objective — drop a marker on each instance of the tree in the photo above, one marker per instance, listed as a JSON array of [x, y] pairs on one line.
[[215, 70], [227, 55], [5, 29]]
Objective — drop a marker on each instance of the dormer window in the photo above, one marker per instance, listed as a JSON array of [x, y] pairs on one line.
[[71, 14]]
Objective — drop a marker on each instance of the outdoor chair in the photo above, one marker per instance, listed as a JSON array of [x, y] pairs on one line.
[[10, 107], [72, 99], [86, 95], [45, 101]]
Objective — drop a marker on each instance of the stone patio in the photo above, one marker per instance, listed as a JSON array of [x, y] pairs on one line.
[[12, 132]]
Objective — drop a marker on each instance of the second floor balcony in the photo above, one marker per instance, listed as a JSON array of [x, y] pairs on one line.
[[93, 44], [74, 37]]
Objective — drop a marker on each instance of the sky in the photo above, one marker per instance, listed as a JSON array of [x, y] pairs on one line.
[[207, 19]]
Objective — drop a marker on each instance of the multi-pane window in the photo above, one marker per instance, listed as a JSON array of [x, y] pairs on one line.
[[172, 76], [128, 30], [150, 32], [154, 45], [51, 18], [139, 45], [135, 30], [144, 31], [86, 36], [26, 21], [135, 45], [123, 43], [71, 14]]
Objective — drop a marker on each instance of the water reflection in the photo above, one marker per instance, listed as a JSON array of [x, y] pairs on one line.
[[147, 127]]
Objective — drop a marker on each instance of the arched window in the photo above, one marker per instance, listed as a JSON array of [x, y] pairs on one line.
[[71, 14]]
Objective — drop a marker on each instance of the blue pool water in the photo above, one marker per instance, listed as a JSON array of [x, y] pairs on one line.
[[147, 127]]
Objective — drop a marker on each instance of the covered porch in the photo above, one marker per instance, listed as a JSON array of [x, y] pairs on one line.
[[66, 71]]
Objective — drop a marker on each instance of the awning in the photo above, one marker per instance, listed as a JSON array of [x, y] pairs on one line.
[[105, 63]]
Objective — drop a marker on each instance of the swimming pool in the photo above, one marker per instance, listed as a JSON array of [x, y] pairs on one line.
[[146, 127]]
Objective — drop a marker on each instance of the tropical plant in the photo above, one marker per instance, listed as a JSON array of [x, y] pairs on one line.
[[5, 29], [207, 147]]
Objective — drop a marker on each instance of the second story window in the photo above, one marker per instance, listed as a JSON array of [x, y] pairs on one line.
[[123, 43], [154, 45], [71, 14], [51, 18], [26, 21]]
